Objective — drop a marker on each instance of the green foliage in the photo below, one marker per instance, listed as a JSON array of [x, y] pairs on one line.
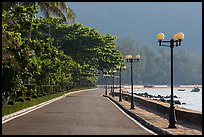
[[28, 98], [39, 95], [20, 99], [32, 89], [34, 96], [56, 88], [8, 109], [39, 52], [47, 89]]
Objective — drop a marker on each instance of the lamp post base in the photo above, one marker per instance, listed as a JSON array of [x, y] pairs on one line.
[[172, 126], [120, 99], [132, 106], [113, 94], [172, 118]]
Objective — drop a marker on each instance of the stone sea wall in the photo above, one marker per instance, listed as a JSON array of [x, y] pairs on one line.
[[183, 114]]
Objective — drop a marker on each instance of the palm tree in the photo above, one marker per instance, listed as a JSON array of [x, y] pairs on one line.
[[59, 9]]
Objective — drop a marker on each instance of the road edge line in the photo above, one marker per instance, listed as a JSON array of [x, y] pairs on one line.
[[143, 122]]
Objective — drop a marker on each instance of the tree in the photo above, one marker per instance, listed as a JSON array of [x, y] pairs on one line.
[[154, 65], [70, 55], [17, 64], [59, 9]]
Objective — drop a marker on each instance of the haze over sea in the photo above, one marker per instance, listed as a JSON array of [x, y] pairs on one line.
[[192, 100], [143, 20]]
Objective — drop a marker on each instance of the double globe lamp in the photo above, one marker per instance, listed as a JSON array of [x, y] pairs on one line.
[[131, 60], [175, 41]]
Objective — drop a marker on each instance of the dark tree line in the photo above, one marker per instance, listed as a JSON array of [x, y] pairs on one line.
[[154, 66]]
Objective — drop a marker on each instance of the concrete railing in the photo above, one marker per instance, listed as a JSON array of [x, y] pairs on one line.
[[187, 115]]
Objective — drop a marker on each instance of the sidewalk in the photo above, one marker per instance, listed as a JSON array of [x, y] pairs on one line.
[[158, 119]]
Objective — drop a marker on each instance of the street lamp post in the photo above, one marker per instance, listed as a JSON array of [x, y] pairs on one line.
[[176, 41], [106, 79], [113, 72], [120, 68], [131, 60]]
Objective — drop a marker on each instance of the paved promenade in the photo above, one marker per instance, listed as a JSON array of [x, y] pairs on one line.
[[157, 121], [81, 113]]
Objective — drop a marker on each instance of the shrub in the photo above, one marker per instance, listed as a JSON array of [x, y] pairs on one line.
[[34, 96], [32, 89], [28, 98], [21, 91], [10, 103], [39, 90], [20, 99], [44, 94], [47, 88], [30, 86], [56, 88], [40, 95], [6, 109]]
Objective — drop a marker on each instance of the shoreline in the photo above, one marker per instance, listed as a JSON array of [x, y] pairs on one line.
[[180, 96], [150, 86]]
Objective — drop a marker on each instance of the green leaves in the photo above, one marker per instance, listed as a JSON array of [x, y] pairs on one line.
[[86, 46], [62, 54]]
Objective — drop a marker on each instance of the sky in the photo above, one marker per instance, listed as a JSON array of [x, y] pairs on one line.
[[143, 20]]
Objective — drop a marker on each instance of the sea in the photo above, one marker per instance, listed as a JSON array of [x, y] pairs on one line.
[[188, 99]]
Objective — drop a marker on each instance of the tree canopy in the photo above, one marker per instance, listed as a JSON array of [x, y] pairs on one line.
[[68, 55]]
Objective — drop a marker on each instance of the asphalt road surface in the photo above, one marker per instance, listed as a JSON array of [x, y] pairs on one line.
[[82, 113]]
